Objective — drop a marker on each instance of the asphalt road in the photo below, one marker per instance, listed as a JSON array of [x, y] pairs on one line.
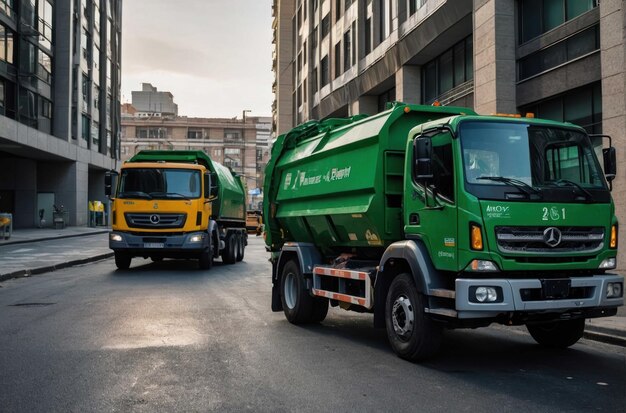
[[168, 337]]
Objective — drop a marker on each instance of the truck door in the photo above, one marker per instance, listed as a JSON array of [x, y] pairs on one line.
[[430, 205]]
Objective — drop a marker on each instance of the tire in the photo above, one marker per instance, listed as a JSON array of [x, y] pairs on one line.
[[557, 334], [412, 335], [320, 309], [205, 261], [229, 255], [240, 246], [122, 261], [298, 305]]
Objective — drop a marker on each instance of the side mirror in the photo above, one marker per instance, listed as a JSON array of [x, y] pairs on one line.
[[108, 182], [610, 163], [210, 186], [423, 151]]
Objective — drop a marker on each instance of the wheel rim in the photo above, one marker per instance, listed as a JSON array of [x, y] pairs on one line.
[[290, 290], [403, 317]]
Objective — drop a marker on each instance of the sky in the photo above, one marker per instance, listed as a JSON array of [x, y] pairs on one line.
[[214, 56]]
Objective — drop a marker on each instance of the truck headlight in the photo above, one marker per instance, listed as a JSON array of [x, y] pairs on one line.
[[485, 294], [115, 237], [608, 264], [196, 238], [482, 266], [614, 290]]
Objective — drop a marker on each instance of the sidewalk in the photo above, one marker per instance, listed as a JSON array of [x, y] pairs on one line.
[[38, 250]]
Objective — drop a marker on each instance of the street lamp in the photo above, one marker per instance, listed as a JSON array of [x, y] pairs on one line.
[[244, 114]]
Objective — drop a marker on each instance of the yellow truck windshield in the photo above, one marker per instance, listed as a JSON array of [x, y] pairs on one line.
[[154, 183]]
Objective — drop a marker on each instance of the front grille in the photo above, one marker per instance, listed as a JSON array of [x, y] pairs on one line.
[[153, 221], [535, 239]]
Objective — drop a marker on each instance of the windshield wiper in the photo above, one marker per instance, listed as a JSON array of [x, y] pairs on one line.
[[567, 182], [134, 194], [521, 185], [169, 195]]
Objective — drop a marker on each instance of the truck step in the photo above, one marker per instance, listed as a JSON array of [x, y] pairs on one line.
[[349, 286]]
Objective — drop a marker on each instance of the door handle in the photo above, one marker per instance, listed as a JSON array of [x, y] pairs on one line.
[[414, 219]]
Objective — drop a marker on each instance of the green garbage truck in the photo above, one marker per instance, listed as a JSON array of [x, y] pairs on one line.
[[176, 204], [436, 217]]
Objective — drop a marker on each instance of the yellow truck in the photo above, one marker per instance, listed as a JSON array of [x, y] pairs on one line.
[[176, 204]]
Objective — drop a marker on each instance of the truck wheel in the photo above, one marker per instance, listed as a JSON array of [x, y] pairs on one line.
[[122, 261], [411, 334], [240, 246], [229, 254], [320, 309], [557, 334], [205, 261], [297, 303]]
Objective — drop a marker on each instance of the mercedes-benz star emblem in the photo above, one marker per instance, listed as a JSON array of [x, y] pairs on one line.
[[552, 236], [154, 219]]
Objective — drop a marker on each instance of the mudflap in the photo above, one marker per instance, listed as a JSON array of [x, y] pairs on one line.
[[277, 304]]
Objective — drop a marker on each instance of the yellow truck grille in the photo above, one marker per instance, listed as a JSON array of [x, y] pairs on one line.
[[153, 221]]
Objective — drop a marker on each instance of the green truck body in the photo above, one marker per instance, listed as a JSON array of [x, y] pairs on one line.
[[177, 204], [420, 213]]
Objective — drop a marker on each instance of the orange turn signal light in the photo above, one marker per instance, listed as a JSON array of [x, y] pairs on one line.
[[476, 238], [613, 242]]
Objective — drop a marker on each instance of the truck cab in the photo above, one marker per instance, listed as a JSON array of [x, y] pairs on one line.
[[167, 207]]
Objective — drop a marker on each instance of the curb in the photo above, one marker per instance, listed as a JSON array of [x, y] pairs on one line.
[[607, 338], [50, 268], [28, 241]]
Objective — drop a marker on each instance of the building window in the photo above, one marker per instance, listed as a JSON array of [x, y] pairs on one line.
[[95, 134], [338, 10], [96, 97], [447, 71], [386, 97], [582, 106], [6, 44], [194, 134], [347, 50], [573, 47], [324, 78], [44, 66], [314, 85], [368, 35], [384, 19], [27, 108], [314, 39], [539, 16], [325, 26], [44, 23], [45, 108], [85, 128], [232, 135], [337, 59], [7, 7], [85, 92], [150, 133]]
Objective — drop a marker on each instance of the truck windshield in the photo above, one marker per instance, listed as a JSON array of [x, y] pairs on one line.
[[530, 160], [153, 183]]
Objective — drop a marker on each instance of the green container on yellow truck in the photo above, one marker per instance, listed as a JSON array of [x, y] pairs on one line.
[[176, 204], [436, 217]]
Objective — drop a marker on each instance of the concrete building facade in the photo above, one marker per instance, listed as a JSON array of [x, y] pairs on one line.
[[60, 70], [150, 102], [241, 144], [559, 59]]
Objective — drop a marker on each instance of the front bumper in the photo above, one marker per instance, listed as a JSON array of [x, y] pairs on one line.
[[158, 244], [513, 291]]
